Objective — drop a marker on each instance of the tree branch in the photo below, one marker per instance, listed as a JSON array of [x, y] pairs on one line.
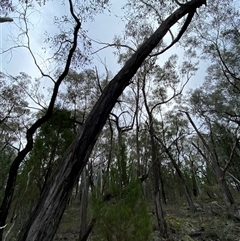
[[6, 202], [5, 19]]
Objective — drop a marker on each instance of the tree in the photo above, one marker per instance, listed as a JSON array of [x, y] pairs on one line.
[[51, 141], [215, 103], [121, 212], [174, 134], [54, 198], [213, 159], [9, 190]]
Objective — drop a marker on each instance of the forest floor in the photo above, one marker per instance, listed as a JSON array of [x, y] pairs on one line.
[[212, 221]]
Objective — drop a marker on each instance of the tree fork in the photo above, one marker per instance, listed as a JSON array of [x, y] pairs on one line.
[[45, 219]]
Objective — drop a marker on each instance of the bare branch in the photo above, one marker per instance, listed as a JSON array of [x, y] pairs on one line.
[[5, 205], [5, 19]]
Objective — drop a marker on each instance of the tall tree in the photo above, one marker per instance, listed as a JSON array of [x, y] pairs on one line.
[[215, 103], [44, 221], [121, 213], [174, 133], [65, 49]]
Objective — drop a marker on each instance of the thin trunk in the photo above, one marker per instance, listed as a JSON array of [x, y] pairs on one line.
[[194, 181], [160, 216], [84, 203], [106, 180], [162, 186], [222, 184], [139, 171], [88, 230], [162, 227], [179, 172]]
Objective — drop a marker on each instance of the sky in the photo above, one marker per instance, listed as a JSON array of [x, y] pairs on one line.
[[102, 29]]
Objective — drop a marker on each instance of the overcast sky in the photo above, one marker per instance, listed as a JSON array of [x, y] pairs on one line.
[[18, 60], [102, 29]]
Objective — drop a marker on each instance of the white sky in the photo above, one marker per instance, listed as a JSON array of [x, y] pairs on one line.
[[102, 29]]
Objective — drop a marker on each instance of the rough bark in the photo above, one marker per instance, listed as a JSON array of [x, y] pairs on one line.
[[45, 219]]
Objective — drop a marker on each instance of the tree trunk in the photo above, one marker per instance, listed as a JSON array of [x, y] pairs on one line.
[[156, 176], [88, 230], [222, 184], [179, 172], [5, 19], [195, 189], [156, 163], [44, 221], [84, 203]]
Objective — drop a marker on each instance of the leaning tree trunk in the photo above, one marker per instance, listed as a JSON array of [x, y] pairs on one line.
[[44, 221]]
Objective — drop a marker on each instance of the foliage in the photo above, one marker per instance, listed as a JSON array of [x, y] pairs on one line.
[[51, 142], [121, 213], [6, 156]]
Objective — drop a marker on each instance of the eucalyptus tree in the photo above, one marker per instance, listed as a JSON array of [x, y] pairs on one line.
[[216, 103], [218, 96], [151, 78], [54, 198], [173, 138], [65, 50]]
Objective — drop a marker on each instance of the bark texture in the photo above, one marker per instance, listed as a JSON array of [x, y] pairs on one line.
[[45, 219]]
